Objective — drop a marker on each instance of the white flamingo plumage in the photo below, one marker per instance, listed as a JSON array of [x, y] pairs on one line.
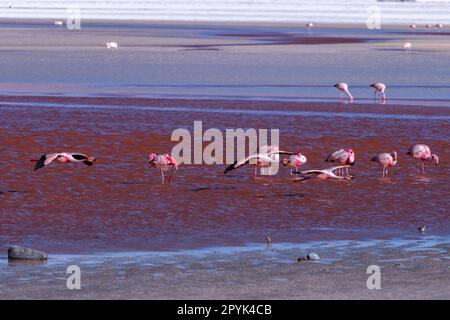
[[163, 162], [324, 174], [343, 88], [422, 153], [62, 157], [295, 161], [386, 160], [381, 88], [266, 156]]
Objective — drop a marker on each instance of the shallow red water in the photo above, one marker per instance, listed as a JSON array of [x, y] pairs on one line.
[[119, 203]]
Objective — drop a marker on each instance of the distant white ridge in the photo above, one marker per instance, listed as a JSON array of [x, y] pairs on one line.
[[302, 11]]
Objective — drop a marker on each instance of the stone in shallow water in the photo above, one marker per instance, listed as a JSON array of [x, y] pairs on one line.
[[313, 256], [310, 256], [22, 253]]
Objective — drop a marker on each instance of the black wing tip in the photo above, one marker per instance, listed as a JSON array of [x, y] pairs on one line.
[[41, 163], [230, 167]]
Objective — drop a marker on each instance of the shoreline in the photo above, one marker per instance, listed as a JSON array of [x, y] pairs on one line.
[[406, 272], [169, 22]]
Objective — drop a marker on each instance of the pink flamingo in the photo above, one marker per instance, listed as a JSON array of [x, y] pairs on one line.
[[379, 87], [62, 157], [407, 46], [422, 153], [309, 26], [295, 161], [164, 162], [264, 158], [413, 26], [386, 160], [439, 26], [343, 87], [342, 157], [323, 174], [428, 26]]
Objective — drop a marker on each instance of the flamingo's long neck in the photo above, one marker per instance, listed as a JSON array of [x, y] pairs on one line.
[[349, 94]]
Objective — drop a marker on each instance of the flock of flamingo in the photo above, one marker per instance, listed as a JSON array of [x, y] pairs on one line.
[[267, 156]]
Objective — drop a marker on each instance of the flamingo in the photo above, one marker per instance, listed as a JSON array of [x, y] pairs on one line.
[[164, 162], [379, 87], [422, 228], [386, 160], [422, 153], [58, 23], [264, 158], [407, 46], [295, 161], [439, 26], [309, 26], [428, 26], [112, 45], [343, 87], [342, 157], [62, 157], [413, 26], [323, 174]]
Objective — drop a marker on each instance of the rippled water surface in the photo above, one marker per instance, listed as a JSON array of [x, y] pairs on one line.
[[120, 204]]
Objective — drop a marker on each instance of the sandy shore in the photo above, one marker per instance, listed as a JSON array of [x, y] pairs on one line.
[[409, 270]]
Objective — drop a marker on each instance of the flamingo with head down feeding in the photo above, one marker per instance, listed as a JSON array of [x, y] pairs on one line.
[[342, 157], [164, 162], [386, 160], [343, 88], [422, 153], [379, 88]]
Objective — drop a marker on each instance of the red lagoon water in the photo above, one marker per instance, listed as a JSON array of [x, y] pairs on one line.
[[120, 204]]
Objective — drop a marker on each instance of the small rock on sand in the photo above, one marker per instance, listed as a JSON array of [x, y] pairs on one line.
[[311, 256], [22, 253]]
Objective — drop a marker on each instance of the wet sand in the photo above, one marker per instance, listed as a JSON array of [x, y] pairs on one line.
[[413, 269], [63, 90]]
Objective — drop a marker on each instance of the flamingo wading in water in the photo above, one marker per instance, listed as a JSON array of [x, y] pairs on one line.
[[294, 161], [264, 158], [407, 46], [112, 45], [62, 157], [342, 157], [343, 88], [324, 174], [381, 88], [422, 153], [164, 162], [386, 160]]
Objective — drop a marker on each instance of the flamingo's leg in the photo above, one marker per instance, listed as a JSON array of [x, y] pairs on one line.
[[418, 167], [423, 168], [172, 176], [162, 176], [383, 172]]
